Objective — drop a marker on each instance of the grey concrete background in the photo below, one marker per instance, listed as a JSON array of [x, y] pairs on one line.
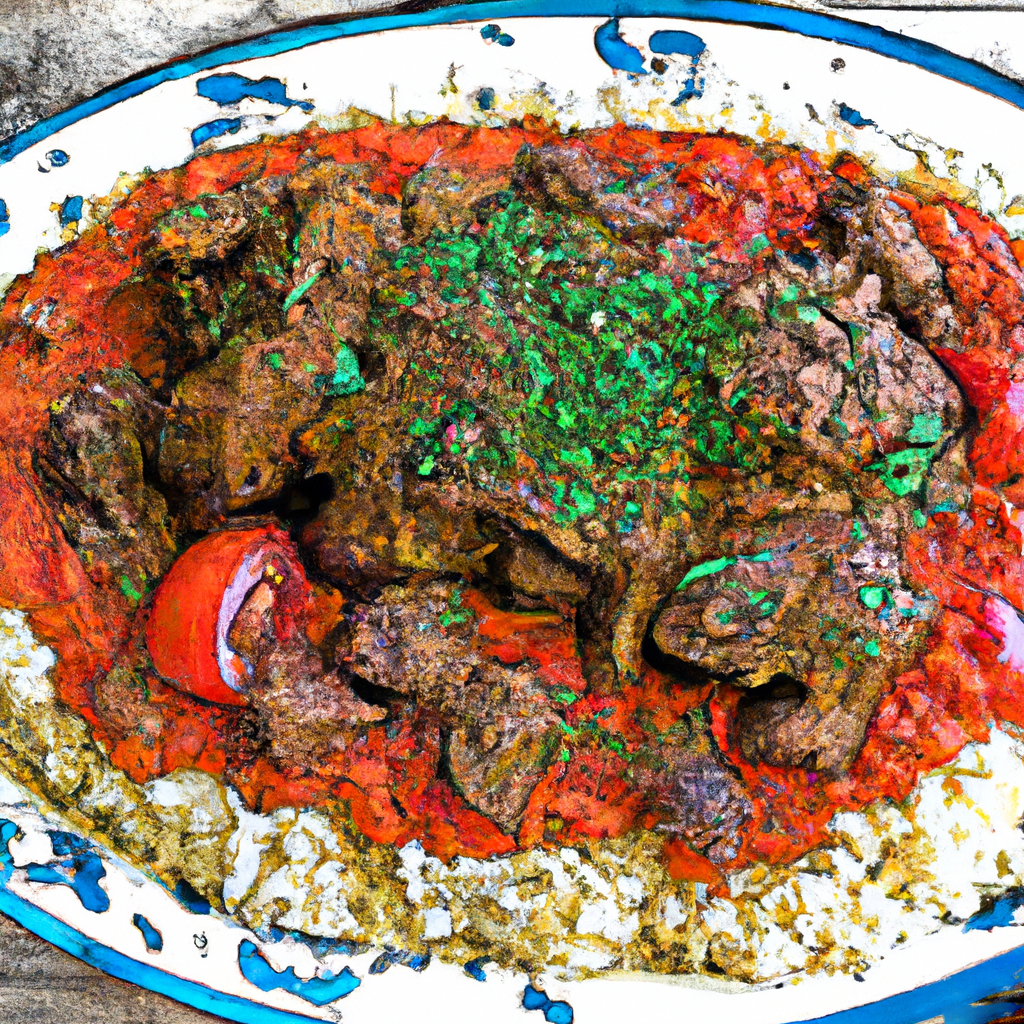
[[54, 53]]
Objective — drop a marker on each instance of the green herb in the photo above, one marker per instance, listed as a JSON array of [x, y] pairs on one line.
[[347, 379], [705, 569], [873, 597], [299, 290]]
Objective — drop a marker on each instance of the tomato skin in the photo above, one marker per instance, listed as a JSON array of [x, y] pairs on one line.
[[181, 634]]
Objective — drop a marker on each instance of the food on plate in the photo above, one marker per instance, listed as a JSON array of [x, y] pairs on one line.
[[503, 488]]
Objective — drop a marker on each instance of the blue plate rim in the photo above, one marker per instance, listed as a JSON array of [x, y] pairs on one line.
[[811, 24]]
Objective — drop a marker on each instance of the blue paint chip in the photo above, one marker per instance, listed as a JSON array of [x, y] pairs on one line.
[[228, 89], [485, 98], [5, 219], [493, 34], [381, 964], [555, 1011], [53, 158], [414, 961], [686, 43], [219, 126], [475, 968], [615, 51], [70, 211], [319, 990], [558, 1013], [854, 117], [191, 900], [534, 999], [998, 913], [691, 90], [76, 866], [153, 939]]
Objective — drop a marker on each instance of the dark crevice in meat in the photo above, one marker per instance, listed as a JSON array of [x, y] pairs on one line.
[[684, 673], [381, 696]]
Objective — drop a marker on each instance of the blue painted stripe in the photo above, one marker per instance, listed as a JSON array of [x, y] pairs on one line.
[[950, 998], [735, 12], [111, 962]]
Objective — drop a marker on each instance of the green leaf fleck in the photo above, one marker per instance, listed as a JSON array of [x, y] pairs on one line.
[[873, 597], [706, 569]]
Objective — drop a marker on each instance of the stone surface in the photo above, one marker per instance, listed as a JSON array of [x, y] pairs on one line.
[[54, 53]]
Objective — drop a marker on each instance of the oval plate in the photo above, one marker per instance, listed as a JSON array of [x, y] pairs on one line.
[[774, 73]]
